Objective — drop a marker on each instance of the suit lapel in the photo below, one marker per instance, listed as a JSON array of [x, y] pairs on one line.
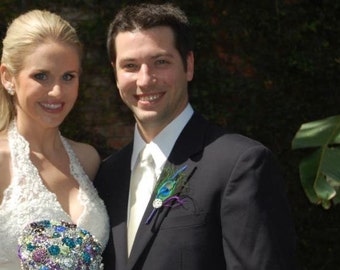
[[188, 145], [145, 231]]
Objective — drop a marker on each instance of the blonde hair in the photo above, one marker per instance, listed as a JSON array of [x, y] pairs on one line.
[[23, 36]]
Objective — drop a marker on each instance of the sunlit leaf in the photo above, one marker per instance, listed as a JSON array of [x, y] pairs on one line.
[[318, 133]]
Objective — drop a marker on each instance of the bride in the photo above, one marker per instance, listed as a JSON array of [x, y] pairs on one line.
[[49, 208]]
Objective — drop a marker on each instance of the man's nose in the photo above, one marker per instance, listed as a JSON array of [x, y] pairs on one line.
[[145, 76]]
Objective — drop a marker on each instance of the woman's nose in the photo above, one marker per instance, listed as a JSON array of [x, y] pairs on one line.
[[55, 90]]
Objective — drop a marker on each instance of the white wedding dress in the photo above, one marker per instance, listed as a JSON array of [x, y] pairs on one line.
[[28, 200]]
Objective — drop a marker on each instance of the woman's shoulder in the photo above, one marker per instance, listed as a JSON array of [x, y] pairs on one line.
[[88, 157], [4, 146]]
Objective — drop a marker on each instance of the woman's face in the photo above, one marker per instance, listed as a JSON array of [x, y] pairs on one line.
[[47, 86]]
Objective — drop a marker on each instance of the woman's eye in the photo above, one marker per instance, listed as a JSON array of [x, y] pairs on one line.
[[68, 77], [40, 76]]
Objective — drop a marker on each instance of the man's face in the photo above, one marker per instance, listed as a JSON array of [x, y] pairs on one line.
[[151, 77]]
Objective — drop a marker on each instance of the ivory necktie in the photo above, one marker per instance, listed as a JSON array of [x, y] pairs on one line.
[[142, 184]]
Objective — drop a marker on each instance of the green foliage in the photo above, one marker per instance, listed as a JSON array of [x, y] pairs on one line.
[[320, 171]]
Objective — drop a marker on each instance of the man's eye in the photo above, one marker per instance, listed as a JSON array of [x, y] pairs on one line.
[[68, 77], [161, 62], [40, 76], [130, 66]]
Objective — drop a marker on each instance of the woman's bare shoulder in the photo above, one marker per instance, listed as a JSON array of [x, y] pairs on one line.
[[88, 157], [4, 147]]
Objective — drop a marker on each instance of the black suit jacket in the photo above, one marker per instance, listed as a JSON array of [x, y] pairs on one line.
[[235, 214]]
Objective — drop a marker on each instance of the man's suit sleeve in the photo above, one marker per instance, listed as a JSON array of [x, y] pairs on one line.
[[256, 222]]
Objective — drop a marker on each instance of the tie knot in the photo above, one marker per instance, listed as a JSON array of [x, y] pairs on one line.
[[145, 155]]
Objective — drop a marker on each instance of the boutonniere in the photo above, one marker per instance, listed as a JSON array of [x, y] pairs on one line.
[[167, 190]]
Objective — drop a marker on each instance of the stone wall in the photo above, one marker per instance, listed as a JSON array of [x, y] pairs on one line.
[[99, 116]]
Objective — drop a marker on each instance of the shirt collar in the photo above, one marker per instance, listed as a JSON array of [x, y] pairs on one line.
[[163, 143]]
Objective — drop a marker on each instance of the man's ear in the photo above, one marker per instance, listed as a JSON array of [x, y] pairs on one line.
[[114, 70], [190, 66]]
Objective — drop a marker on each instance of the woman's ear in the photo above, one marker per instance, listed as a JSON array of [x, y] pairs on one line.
[[6, 77]]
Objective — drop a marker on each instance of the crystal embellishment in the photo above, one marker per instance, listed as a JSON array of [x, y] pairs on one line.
[[52, 245]]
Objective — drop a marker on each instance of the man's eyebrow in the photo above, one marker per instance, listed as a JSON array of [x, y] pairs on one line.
[[126, 59], [158, 55], [162, 55]]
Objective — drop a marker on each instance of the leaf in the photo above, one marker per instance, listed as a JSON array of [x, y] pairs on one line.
[[330, 163], [336, 199], [326, 204], [320, 171], [333, 183], [318, 133], [326, 171], [313, 173], [308, 170], [323, 189]]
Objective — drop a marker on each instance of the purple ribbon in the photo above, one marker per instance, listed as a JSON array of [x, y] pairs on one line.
[[169, 202]]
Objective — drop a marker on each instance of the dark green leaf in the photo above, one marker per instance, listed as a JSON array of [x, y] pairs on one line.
[[330, 163], [308, 171]]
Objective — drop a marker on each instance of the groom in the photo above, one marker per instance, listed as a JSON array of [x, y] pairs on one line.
[[227, 208]]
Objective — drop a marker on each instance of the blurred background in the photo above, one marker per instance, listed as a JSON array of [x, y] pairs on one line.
[[262, 69]]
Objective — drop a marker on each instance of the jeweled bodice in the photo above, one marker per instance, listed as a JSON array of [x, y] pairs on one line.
[[27, 200]]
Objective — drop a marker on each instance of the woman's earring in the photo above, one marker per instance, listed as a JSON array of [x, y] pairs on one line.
[[10, 90]]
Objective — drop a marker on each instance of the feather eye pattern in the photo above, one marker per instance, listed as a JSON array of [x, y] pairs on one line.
[[171, 184], [167, 190]]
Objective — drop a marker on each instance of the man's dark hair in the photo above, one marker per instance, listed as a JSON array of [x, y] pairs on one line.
[[145, 16]]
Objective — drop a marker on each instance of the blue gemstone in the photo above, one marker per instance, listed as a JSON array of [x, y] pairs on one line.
[[54, 250]]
